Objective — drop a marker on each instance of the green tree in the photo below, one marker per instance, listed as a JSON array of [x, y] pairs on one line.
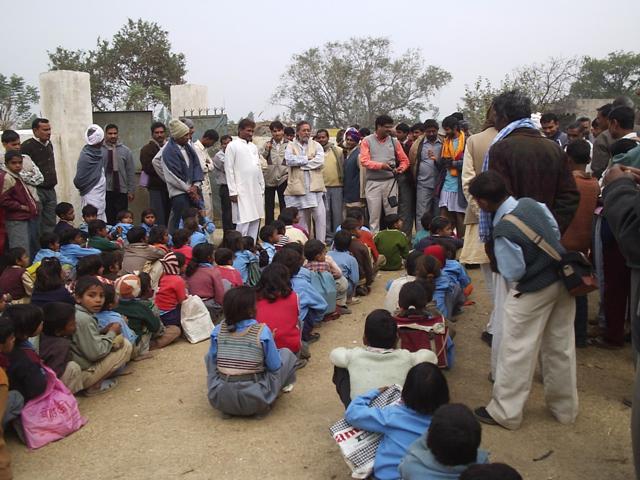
[[476, 102], [617, 74], [342, 83], [133, 71], [16, 99]]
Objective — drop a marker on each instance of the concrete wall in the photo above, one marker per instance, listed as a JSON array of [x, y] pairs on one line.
[[133, 128], [65, 99], [188, 97]]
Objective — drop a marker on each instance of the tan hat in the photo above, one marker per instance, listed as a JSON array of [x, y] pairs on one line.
[[178, 129]]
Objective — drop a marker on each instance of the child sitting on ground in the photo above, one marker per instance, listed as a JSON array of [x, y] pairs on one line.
[[25, 365], [441, 229], [448, 284], [112, 264], [281, 228], [204, 223], [425, 390], [89, 213], [49, 285], [392, 242], [71, 246], [181, 243], [393, 290], [159, 238], [196, 237], [234, 241], [290, 216], [453, 268], [346, 262], [50, 247], [269, 238], [55, 343], [428, 270], [66, 214], [148, 220], [100, 353], [358, 370], [14, 279], [139, 253], [204, 279], [317, 261], [108, 315], [244, 380], [277, 307], [11, 402], [125, 223], [447, 448], [365, 236], [172, 290], [362, 256], [99, 237], [230, 276], [425, 223]]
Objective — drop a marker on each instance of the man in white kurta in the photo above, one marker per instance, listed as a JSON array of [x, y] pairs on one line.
[[245, 181]]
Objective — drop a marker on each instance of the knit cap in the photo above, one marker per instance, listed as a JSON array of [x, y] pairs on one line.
[[436, 251], [170, 264], [178, 129], [128, 286]]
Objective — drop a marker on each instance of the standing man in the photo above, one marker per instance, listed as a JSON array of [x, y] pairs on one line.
[[120, 173], [601, 154], [452, 202], [383, 158], [158, 193], [305, 185], [221, 180], [406, 183], [40, 149], [353, 192], [208, 140], [585, 124], [621, 123], [423, 156], [332, 174], [551, 128], [244, 179], [178, 163], [274, 170], [90, 171]]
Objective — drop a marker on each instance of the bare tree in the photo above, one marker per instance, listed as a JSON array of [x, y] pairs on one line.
[[16, 99]]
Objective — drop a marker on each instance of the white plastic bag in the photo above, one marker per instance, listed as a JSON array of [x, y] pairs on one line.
[[195, 319]]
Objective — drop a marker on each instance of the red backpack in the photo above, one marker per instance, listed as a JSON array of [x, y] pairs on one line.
[[424, 331]]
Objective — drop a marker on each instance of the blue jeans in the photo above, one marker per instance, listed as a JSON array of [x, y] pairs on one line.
[[15, 402]]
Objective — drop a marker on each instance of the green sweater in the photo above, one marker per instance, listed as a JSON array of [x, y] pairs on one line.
[[102, 244], [141, 317], [394, 245], [88, 345]]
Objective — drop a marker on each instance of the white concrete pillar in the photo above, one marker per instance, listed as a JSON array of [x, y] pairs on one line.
[[65, 100], [188, 97]]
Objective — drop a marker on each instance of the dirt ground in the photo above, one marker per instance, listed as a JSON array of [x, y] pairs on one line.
[[158, 424]]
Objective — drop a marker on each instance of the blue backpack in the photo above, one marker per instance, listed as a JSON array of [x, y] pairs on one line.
[[324, 283]]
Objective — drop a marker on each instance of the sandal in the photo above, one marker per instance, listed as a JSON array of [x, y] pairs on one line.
[[104, 387]]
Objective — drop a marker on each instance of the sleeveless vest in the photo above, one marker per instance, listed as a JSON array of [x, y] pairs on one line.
[[381, 153], [240, 353]]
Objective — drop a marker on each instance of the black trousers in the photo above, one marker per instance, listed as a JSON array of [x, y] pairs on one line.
[[115, 203], [225, 206], [406, 202], [342, 381], [270, 199]]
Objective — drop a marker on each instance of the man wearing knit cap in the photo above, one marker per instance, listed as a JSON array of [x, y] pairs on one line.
[[178, 164]]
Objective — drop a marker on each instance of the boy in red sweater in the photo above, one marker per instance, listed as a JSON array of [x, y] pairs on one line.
[[172, 290]]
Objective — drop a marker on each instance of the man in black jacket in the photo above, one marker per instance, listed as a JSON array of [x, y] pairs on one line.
[[622, 211]]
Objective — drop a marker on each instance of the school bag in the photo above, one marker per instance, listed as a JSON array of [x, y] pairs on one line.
[[195, 319], [424, 331], [324, 283], [254, 274], [51, 416]]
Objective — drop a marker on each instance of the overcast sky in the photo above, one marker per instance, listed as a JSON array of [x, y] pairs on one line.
[[240, 49]]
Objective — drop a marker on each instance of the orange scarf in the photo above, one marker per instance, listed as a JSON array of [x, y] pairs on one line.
[[448, 151]]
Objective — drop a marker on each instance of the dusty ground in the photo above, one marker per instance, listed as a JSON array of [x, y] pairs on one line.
[[158, 424]]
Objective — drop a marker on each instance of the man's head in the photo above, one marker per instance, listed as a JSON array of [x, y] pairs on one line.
[[451, 126], [489, 190], [621, 120], [351, 138], [158, 132], [402, 131], [303, 131], [595, 128], [209, 138], [179, 132], [454, 435], [322, 137], [622, 101], [289, 133], [511, 106], [41, 129], [380, 330], [190, 125], [585, 124], [111, 134], [574, 132], [384, 126], [10, 140], [246, 128], [224, 141], [431, 128], [550, 124], [417, 129], [277, 130], [603, 116], [579, 153]]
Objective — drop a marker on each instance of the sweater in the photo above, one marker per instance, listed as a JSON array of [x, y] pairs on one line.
[[187, 251], [47, 252], [578, 236], [136, 255], [240, 353], [172, 291], [394, 245], [55, 352], [399, 424], [141, 317], [15, 198], [102, 244], [420, 463], [60, 294], [282, 318], [11, 282], [456, 272], [363, 257], [206, 283], [146, 158], [311, 302], [366, 237], [348, 265], [74, 252], [25, 371], [230, 277], [88, 345], [377, 367], [351, 179], [541, 269], [42, 156], [106, 317]]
